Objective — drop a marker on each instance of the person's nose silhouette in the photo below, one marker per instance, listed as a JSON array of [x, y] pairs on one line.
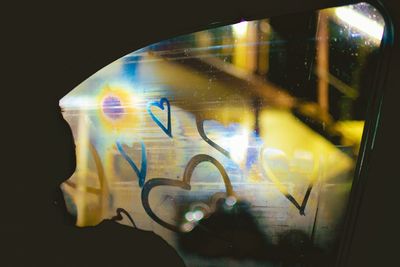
[[107, 244]]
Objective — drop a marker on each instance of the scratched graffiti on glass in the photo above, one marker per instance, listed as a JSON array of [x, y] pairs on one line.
[[232, 143]]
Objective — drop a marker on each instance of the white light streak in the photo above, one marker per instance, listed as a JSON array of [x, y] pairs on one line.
[[240, 29], [361, 22]]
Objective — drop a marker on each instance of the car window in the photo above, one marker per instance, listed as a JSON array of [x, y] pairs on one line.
[[236, 144]]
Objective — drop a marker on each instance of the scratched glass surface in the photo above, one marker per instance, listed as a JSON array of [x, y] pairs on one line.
[[236, 144]]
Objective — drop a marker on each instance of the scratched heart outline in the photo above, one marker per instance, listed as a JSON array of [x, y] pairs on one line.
[[160, 105], [283, 189], [200, 129], [118, 217], [141, 174], [184, 184]]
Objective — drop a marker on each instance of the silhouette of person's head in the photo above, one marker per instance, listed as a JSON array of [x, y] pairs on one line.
[[107, 244]]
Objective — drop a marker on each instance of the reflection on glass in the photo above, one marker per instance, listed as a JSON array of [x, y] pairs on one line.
[[236, 144]]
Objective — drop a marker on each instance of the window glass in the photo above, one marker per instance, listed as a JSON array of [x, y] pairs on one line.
[[236, 144]]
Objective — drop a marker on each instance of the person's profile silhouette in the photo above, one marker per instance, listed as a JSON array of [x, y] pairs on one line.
[[107, 244]]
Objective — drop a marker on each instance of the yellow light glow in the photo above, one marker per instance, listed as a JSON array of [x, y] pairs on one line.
[[361, 22], [290, 136], [129, 109]]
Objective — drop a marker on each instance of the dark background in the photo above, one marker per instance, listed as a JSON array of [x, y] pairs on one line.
[[49, 48]]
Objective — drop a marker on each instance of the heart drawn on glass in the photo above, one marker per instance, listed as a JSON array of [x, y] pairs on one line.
[[141, 174], [200, 129], [284, 190], [160, 105], [184, 184], [119, 217]]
